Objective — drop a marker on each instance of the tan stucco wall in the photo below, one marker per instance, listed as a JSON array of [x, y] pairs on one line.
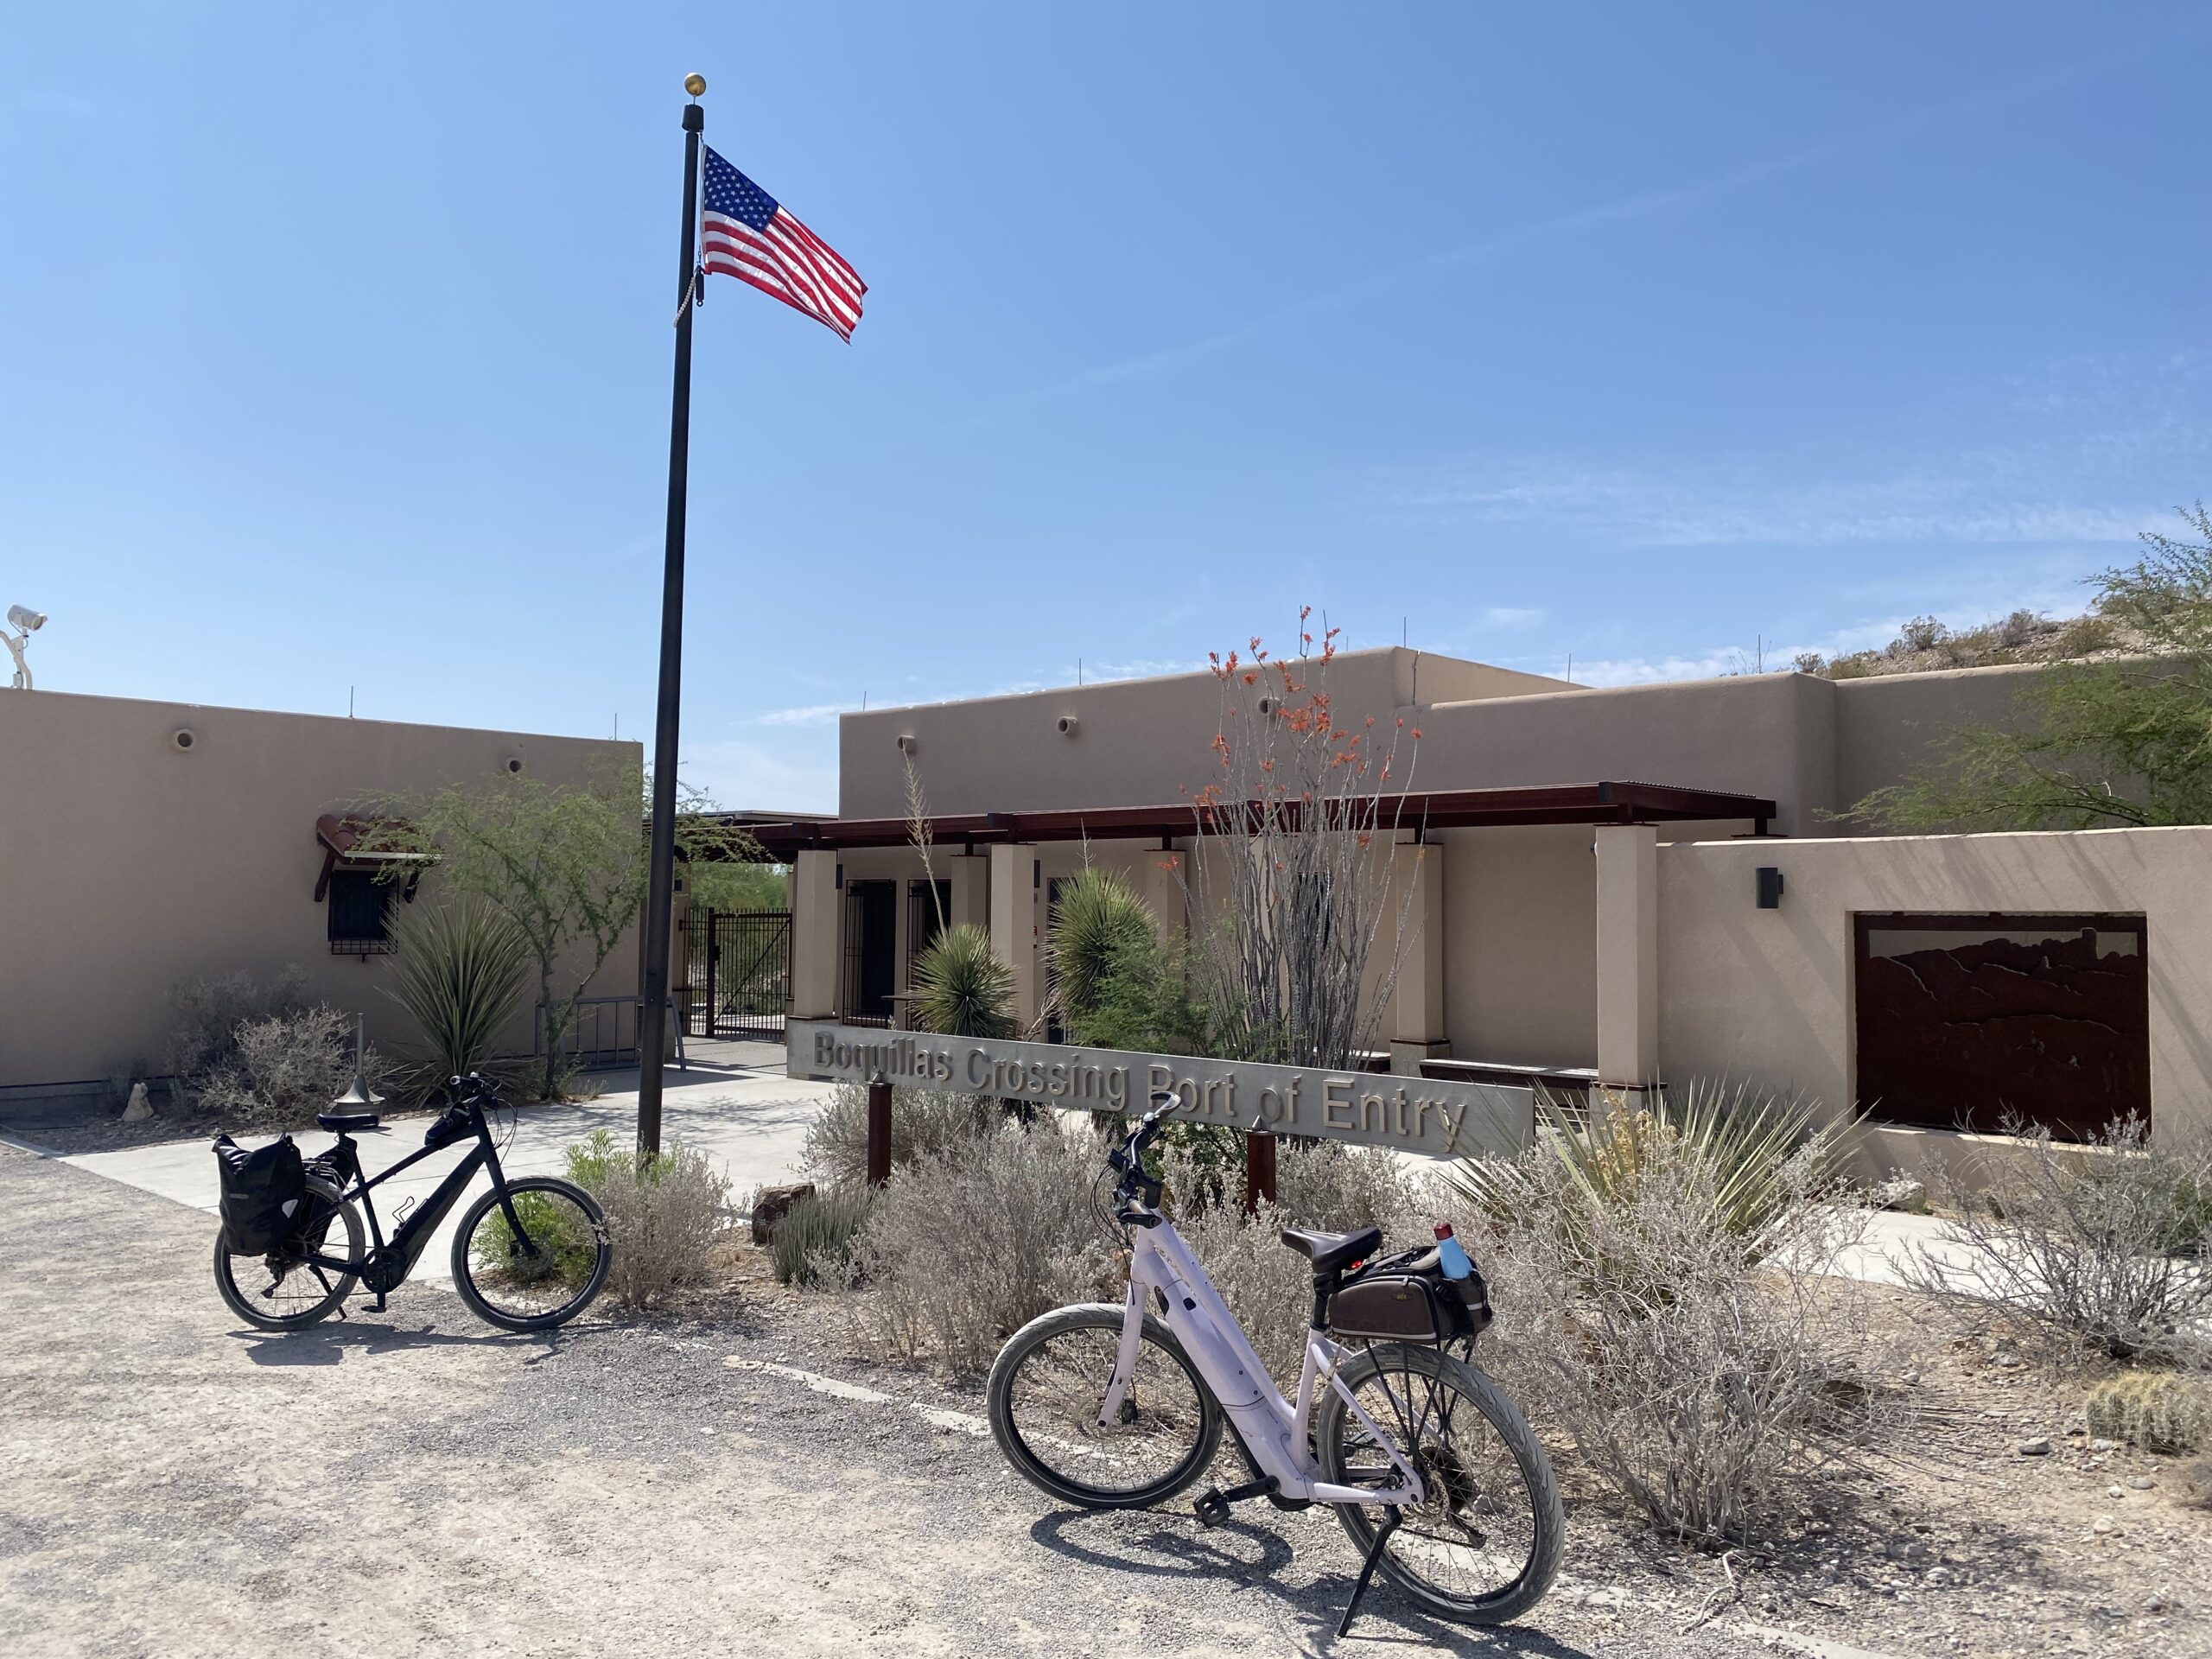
[[1765, 995], [1521, 952], [127, 867], [1136, 742]]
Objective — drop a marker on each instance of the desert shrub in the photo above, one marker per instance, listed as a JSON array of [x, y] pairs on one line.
[[1708, 1389], [1922, 634], [922, 1121], [961, 987], [204, 1040], [664, 1213], [2157, 1410], [1758, 1158], [2097, 1248], [966, 1244], [283, 1069], [2086, 635], [460, 975], [813, 1243], [1098, 921]]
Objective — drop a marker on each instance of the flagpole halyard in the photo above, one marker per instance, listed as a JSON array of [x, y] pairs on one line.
[[660, 870]]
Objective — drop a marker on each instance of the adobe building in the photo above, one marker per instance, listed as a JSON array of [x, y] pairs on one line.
[[1624, 887], [144, 844]]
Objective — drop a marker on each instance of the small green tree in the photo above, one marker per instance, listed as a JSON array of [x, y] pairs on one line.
[[564, 863], [2123, 741], [729, 886]]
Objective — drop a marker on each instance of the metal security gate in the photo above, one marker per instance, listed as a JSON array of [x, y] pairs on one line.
[[740, 974], [1978, 1021]]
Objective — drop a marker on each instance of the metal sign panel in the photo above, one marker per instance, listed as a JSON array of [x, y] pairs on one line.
[[1417, 1115]]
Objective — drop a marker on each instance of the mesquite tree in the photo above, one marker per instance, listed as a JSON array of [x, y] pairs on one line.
[[1299, 940]]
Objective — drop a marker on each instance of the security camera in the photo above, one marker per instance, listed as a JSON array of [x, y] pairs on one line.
[[28, 620]]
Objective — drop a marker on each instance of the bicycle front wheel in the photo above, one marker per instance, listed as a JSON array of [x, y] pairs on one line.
[[1483, 1545], [546, 1276], [282, 1290], [1045, 1390]]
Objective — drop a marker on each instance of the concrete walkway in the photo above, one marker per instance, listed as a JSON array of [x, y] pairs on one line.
[[733, 1103]]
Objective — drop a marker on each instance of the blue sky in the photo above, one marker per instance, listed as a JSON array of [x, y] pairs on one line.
[[334, 346]]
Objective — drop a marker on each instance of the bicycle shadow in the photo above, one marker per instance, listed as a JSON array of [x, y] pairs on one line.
[[328, 1344], [1158, 1544]]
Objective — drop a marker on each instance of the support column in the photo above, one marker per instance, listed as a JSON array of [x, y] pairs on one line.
[[1017, 931], [1417, 1032], [1161, 889], [817, 912], [971, 875], [1628, 957]]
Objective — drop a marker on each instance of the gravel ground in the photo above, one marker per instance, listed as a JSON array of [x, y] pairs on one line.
[[414, 1482]]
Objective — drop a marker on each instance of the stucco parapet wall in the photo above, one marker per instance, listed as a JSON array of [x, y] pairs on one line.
[[1765, 996]]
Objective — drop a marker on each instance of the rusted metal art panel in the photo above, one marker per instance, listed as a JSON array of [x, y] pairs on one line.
[[1965, 1021]]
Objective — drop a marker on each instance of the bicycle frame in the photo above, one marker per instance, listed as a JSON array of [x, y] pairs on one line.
[[1273, 1430], [388, 1263]]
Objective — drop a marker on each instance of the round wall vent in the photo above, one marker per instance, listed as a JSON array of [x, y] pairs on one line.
[[906, 744], [514, 763], [1067, 725], [183, 738]]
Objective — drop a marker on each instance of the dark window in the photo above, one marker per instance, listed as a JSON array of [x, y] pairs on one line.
[[1974, 1022], [359, 921]]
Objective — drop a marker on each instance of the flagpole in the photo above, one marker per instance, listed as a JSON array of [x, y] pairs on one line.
[[660, 876]]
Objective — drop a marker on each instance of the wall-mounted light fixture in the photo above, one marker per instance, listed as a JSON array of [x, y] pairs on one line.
[[1770, 887]]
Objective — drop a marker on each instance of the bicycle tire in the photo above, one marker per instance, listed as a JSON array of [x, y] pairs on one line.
[[464, 1269], [1200, 1416], [1455, 1493], [241, 1303]]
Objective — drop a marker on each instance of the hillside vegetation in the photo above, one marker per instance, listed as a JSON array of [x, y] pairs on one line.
[[2024, 636]]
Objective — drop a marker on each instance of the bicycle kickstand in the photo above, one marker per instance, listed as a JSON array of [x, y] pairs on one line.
[[1367, 1570]]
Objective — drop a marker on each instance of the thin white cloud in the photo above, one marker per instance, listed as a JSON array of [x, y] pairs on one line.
[[1511, 616], [813, 714]]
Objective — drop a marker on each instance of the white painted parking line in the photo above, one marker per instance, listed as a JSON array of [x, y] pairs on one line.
[[958, 1422]]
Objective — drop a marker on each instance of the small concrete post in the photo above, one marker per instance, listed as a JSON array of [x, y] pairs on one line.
[[878, 1131]]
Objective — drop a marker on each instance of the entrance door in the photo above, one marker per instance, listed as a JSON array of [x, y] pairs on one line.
[[1965, 1021], [871, 951]]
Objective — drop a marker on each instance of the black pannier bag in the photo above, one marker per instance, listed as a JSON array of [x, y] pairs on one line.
[[262, 1191], [1408, 1298]]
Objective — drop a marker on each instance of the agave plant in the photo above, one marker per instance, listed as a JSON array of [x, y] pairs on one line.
[[962, 989], [461, 977], [1752, 1157]]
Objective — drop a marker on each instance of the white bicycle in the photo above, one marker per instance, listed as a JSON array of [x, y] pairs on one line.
[[1434, 1474]]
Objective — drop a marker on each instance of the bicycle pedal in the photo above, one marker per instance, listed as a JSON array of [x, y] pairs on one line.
[[1211, 1508]]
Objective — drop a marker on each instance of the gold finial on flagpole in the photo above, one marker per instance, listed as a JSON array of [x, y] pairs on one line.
[[695, 85]]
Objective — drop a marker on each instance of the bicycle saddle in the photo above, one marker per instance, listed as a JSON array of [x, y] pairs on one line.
[[344, 1122], [1327, 1251]]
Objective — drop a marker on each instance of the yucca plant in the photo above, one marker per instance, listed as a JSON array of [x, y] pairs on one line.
[[1750, 1157], [962, 989], [460, 976], [1099, 924]]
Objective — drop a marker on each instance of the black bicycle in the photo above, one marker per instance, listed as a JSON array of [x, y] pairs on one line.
[[529, 1254]]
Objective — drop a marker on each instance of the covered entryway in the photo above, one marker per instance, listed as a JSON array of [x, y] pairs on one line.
[[1975, 1022]]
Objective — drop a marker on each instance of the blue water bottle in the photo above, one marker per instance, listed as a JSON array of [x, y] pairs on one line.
[[1450, 1255]]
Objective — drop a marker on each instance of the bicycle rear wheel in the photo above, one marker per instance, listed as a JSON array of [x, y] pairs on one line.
[[547, 1277], [1483, 1545], [1045, 1390], [281, 1290]]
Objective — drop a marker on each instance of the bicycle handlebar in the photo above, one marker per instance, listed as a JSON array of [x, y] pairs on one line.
[[1128, 1160]]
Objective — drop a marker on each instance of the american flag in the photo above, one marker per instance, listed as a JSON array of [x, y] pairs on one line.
[[746, 234]]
